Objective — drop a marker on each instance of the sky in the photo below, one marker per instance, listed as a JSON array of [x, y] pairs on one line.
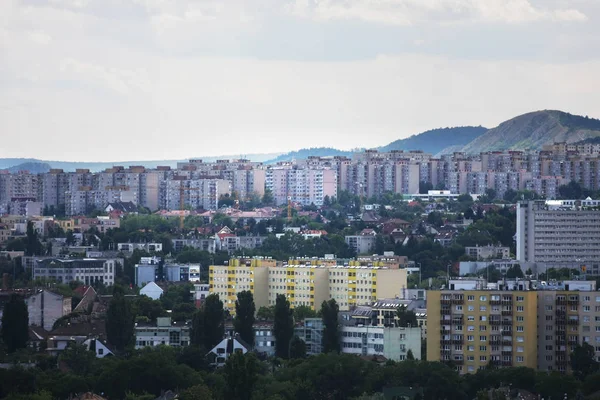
[[117, 80]]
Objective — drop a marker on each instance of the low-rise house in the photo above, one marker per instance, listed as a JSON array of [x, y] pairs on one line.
[[99, 347], [46, 307], [219, 354], [201, 292], [152, 290], [206, 244], [488, 252], [130, 247], [87, 270], [364, 243], [164, 332]]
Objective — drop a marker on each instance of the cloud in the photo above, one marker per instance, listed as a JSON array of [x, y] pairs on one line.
[[412, 12], [40, 37]]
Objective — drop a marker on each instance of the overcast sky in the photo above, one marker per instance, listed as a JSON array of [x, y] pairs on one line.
[[116, 80]]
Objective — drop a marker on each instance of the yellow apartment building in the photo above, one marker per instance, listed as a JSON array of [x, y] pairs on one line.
[[307, 285], [475, 328]]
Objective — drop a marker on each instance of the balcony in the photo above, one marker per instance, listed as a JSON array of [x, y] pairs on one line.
[[507, 343], [458, 301], [507, 313], [457, 341], [573, 343], [445, 322], [560, 301], [507, 352], [445, 311], [459, 362], [505, 363], [448, 301], [560, 342], [573, 302], [496, 342], [573, 322], [445, 341], [495, 302]]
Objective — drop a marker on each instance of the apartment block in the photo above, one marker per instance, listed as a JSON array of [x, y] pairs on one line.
[[307, 285], [487, 252], [513, 323], [562, 234], [474, 327], [302, 185], [89, 271], [164, 332]]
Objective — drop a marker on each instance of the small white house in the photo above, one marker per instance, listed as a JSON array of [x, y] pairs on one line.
[[152, 290], [228, 346], [98, 347]]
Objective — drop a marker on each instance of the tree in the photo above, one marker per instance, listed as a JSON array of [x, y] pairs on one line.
[[514, 271], [583, 361], [15, 324], [406, 318], [331, 332], [70, 239], [303, 312], [297, 348], [268, 199], [241, 373], [197, 331], [78, 359], [266, 313], [283, 326], [146, 307], [33, 246], [409, 355], [214, 316], [243, 323], [196, 392], [119, 320]]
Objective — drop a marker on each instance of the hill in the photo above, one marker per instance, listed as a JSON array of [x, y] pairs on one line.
[[313, 151], [31, 166], [436, 140], [533, 130]]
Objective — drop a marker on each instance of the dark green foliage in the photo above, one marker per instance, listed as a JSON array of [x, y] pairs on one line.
[[266, 313], [583, 361], [297, 348], [214, 315], [302, 312], [197, 331], [283, 328], [33, 245], [146, 307], [244, 316], [78, 359], [331, 330], [406, 318], [292, 244], [196, 392], [241, 373], [119, 321], [15, 324], [177, 294]]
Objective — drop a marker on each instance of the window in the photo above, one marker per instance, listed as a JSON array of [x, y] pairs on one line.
[[470, 298], [520, 298], [483, 358], [520, 339], [484, 298], [470, 318], [483, 318], [482, 338], [470, 328], [471, 348], [520, 308], [471, 358], [520, 328], [471, 308], [470, 338], [520, 359], [459, 308], [520, 318], [482, 308], [482, 328], [100, 351], [548, 308], [586, 308]]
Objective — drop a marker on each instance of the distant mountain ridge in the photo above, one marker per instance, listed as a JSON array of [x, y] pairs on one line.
[[529, 131], [533, 130]]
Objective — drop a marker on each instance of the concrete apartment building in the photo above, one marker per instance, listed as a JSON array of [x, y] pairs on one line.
[[207, 244], [164, 332], [564, 234], [89, 271], [303, 185], [364, 340], [363, 243], [307, 285], [488, 252], [46, 307], [473, 326], [517, 323]]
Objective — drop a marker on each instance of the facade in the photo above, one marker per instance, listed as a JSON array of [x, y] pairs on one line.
[[569, 234], [488, 252], [164, 332], [182, 272], [146, 270], [307, 285], [46, 307], [88, 271], [151, 290], [130, 247], [227, 347], [516, 323], [206, 244], [363, 243], [391, 342], [476, 328], [303, 185]]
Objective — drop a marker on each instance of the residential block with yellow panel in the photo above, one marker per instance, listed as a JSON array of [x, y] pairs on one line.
[[510, 324]]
